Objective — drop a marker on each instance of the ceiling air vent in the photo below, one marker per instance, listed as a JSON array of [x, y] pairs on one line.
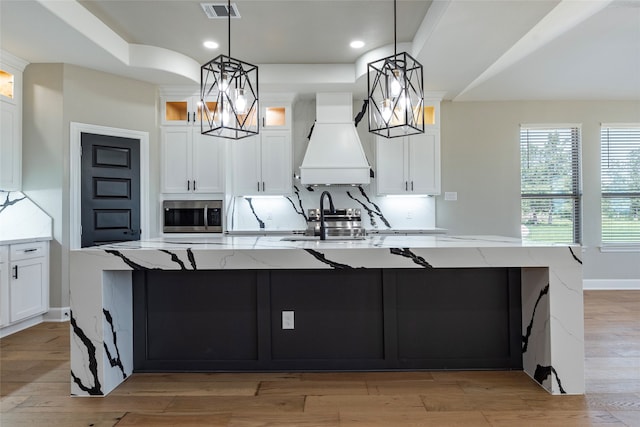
[[219, 10]]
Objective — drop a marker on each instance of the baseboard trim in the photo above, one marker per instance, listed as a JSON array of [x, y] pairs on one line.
[[604, 284], [17, 327], [57, 314]]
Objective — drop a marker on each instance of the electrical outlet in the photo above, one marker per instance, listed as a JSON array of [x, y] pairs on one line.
[[451, 195], [287, 320]]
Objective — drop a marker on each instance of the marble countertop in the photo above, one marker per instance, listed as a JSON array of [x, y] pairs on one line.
[[271, 242], [21, 220]]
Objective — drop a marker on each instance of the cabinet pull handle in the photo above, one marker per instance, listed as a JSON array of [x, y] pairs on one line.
[[258, 185], [411, 185], [194, 185], [15, 271], [188, 185], [262, 185], [263, 123], [30, 250], [405, 186]]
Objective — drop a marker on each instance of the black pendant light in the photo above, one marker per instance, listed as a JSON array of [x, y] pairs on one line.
[[396, 93], [229, 95]]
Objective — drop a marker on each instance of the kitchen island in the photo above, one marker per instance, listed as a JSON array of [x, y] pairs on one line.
[[102, 323]]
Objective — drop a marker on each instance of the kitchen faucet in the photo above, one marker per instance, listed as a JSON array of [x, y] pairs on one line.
[[332, 210]]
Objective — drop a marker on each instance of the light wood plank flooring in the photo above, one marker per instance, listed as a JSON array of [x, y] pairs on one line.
[[34, 388]]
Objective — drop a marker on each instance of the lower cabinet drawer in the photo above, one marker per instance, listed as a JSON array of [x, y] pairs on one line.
[[27, 250]]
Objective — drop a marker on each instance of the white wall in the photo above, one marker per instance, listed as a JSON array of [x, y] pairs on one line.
[[481, 161], [55, 95]]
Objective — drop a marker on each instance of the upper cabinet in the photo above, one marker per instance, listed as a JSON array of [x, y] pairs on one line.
[[275, 115], [411, 164], [431, 115], [11, 69], [191, 162], [262, 164]]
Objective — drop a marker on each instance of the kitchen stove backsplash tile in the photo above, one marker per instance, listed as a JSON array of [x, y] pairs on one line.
[[275, 213]]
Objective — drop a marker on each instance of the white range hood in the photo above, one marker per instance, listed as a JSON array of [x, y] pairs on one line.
[[334, 155]]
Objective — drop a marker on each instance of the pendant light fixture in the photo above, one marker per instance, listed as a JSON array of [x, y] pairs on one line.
[[396, 93], [229, 95]]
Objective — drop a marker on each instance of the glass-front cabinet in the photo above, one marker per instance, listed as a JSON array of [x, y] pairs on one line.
[[275, 115]]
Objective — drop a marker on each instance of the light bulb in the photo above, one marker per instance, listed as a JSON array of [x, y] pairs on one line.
[[241, 101], [223, 111], [386, 110], [395, 86], [224, 82]]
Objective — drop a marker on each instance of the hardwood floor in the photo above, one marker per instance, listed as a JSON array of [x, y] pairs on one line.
[[34, 388]]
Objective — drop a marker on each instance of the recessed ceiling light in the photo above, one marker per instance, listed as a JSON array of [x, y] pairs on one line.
[[211, 45], [357, 44]]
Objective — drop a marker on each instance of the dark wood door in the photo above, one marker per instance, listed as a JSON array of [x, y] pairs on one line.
[[110, 189]]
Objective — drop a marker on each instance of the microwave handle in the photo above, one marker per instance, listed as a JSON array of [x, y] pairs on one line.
[[206, 216]]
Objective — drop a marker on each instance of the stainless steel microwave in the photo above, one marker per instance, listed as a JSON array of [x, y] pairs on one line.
[[192, 216]]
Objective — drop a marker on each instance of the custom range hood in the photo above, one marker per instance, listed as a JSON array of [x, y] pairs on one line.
[[334, 155]]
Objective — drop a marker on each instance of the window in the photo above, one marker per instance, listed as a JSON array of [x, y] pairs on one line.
[[620, 182], [550, 183]]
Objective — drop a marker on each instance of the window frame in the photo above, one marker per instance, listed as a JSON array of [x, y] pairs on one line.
[[615, 246], [576, 161]]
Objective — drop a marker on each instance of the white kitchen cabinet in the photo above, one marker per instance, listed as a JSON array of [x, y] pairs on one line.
[[275, 114], [262, 164], [4, 285], [11, 122], [179, 110], [191, 162], [28, 280], [409, 165]]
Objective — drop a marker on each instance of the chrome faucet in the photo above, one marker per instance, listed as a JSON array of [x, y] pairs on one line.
[[332, 210]]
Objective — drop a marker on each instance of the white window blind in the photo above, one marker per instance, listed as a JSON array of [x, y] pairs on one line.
[[550, 183], [620, 182]]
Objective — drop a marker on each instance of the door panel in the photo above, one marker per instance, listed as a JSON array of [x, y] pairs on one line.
[[423, 167], [110, 189]]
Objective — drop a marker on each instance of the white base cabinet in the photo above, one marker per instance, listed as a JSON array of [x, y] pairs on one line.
[[4, 285], [24, 281], [409, 165]]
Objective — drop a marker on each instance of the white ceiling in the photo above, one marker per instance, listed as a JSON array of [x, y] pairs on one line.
[[470, 49]]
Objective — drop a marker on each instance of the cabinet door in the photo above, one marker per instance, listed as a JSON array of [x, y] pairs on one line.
[[277, 168], [424, 163], [176, 160], [26, 293], [208, 163], [247, 178], [391, 176], [275, 115], [10, 147], [178, 110], [4, 291]]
